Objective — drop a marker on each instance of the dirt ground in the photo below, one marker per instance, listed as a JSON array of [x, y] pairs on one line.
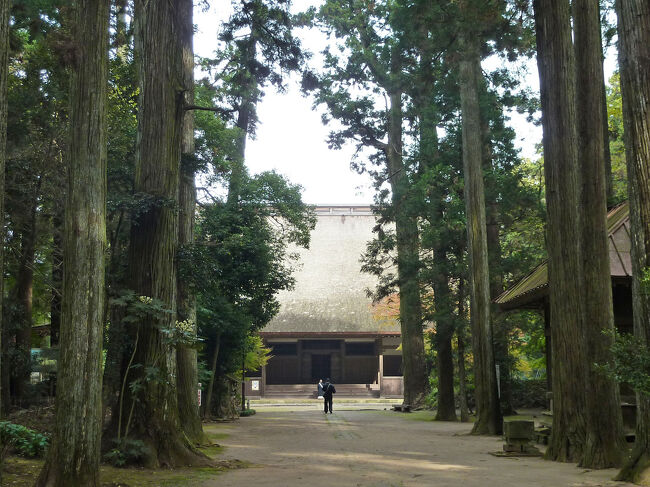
[[305, 447]]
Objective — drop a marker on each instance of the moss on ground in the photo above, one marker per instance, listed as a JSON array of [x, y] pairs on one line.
[[21, 472]]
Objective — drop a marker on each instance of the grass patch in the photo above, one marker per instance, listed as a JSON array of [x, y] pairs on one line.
[[218, 436], [213, 450], [519, 417], [423, 415]]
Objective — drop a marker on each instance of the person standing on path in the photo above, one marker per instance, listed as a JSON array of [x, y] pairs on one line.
[[328, 391]]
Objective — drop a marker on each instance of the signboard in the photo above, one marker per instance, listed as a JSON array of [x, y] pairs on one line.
[[255, 385]]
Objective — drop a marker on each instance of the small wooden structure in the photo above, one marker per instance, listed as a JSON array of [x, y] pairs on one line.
[[531, 292]]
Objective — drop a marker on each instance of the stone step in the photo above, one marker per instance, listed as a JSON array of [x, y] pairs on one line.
[[309, 390]]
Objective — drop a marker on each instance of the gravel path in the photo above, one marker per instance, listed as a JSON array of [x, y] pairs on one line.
[[379, 449]]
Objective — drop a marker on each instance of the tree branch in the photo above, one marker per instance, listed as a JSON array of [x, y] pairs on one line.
[[223, 111]]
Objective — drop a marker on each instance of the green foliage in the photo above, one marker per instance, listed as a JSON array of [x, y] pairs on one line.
[[616, 142], [529, 393], [630, 363], [126, 452], [247, 412], [138, 308], [23, 441], [527, 344], [257, 355], [644, 281]]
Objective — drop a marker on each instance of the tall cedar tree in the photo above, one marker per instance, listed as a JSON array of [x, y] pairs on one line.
[[487, 402], [604, 443], [557, 89], [406, 234], [73, 458], [260, 31], [154, 232], [376, 60], [4, 59], [634, 52], [421, 22], [186, 357]]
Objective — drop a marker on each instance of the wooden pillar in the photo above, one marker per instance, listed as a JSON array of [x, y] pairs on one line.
[[381, 375], [342, 348], [378, 352], [300, 359]]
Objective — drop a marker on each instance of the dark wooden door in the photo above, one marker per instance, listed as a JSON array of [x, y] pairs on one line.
[[321, 367]]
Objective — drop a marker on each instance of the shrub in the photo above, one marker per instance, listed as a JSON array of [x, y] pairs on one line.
[[529, 393], [23, 441], [126, 452], [247, 412]]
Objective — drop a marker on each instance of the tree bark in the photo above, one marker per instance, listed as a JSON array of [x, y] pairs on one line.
[[488, 419], [4, 60], [460, 333], [245, 117], [207, 408], [428, 151], [604, 442], [73, 458], [501, 332], [24, 297], [408, 263], [444, 333], [186, 357], [58, 222], [634, 52], [556, 73], [154, 233]]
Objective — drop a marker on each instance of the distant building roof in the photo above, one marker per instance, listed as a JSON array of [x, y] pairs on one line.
[[529, 291], [330, 293]]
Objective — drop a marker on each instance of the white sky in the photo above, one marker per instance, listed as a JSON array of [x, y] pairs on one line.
[[292, 140]]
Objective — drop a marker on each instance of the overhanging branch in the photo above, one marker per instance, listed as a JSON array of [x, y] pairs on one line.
[[223, 111]]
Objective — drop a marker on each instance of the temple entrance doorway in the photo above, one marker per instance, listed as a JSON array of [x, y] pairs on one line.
[[321, 367]]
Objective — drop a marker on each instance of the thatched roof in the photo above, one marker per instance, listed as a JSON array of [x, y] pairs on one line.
[[330, 292]]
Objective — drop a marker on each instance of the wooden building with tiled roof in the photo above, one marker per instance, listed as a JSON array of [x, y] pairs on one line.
[[327, 327], [531, 292]]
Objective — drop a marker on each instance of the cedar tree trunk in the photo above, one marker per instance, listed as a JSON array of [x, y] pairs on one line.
[[154, 233], [58, 222], [408, 263], [604, 443], [207, 407], [24, 296], [488, 412], [460, 333], [4, 59], [556, 73], [444, 333], [186, 358], [634, 52], [73, 457]]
